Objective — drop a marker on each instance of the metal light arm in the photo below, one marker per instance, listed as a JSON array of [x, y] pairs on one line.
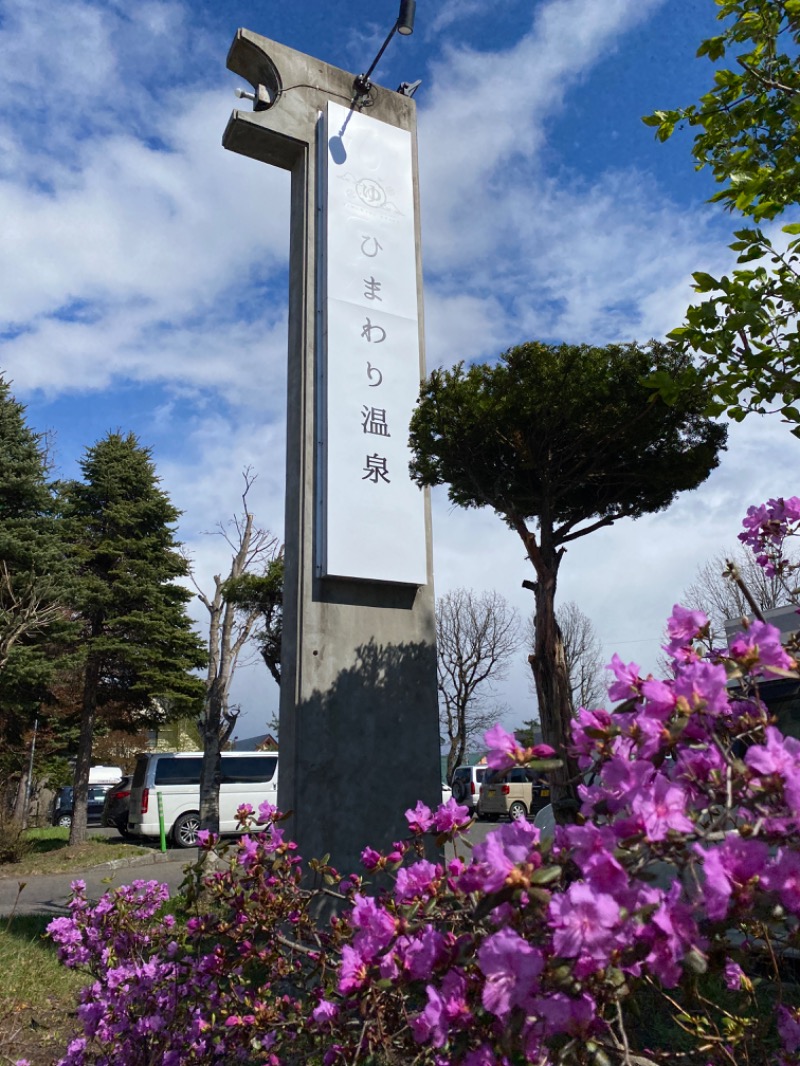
[[405, 26]]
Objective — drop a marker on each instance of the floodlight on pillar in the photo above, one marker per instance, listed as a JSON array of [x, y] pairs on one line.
[[263, 98], [405, 27], [405, 20]]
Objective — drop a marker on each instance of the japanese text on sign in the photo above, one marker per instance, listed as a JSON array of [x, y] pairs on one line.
[[373, 522]]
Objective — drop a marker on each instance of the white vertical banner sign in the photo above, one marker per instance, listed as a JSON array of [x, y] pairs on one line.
[[372, 513]]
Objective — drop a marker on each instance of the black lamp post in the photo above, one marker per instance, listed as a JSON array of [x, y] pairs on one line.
[[403, 26]]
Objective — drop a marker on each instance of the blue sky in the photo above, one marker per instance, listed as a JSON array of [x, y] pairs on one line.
[[143, 267]]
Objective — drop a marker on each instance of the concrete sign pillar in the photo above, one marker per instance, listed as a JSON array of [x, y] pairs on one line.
[[359, 735]]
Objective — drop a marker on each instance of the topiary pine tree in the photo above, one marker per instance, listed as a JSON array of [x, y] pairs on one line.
[[32, 585], [138, 643], [569, 438]]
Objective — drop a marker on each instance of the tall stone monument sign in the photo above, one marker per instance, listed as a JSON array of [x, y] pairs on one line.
[[359, 736]]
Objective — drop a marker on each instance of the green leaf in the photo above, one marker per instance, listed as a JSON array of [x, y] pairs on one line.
[[545, 764], [705, 282], [545, 875]]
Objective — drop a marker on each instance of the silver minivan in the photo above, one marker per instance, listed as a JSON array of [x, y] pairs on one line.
[[247, 777], [466, 785]]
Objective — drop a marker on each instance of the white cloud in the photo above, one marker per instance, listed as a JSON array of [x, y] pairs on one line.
[[449, 12], [488, 110], [136, 250]]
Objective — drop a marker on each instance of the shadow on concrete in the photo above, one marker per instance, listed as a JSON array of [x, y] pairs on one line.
[[355, 757]]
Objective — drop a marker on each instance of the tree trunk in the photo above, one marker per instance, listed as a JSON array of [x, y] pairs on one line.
[[18, 812], [550, 673], [211, 771], [83, 761], [455, 756]]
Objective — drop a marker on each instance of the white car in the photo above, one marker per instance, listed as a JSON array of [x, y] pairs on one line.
[[466, 785]]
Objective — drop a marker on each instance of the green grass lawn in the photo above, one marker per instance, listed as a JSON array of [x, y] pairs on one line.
[[37, 994], [47, 851]]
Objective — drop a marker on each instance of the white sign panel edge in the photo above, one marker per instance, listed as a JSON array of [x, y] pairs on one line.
[[371, 515]]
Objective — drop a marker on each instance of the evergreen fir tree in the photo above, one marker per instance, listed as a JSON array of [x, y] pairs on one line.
[[138, 643], [32, 588]]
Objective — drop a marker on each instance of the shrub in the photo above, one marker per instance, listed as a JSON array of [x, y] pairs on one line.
[[676, 892], [14, 846]]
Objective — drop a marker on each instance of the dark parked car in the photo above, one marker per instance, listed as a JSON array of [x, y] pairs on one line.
[[62, 811], [117, 805]]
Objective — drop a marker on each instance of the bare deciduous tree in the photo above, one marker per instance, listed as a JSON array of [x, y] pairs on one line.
[[720, 597], [230, 628], [23, 611], [582, 651], [477, 635]]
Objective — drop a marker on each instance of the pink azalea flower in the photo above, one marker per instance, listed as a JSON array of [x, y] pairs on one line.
[[420, 953], [399, 848], [660, 697], [352, 972], [430, 1026], [504, 750], [623, 777], [559, 1013], [628, 681], [450, 816], [585, 728], [248, 850], [661, 808], [266, 812], [730, 870], [789, 1028], [419, 818], [483, 1056], [683, 626], [446, 1006], [584, 922], [733, 975], [414, 882], [780, 755], [495, 857], [376, 927], [670, 934], [511, 967], [703, 685], [592, 849], [782, 876], [325, 1011], [370, 858], [759, 648]]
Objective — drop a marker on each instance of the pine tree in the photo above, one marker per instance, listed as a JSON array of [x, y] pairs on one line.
[[138, 644], [561, 441], [29, 546], [32, 576]]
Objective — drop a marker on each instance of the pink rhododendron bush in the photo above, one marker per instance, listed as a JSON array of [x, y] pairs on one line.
[[676, 894]]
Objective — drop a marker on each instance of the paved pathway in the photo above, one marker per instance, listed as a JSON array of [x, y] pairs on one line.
[[49, 894]]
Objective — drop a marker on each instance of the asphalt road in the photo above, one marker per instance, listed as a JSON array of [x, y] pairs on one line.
[[49, 895]]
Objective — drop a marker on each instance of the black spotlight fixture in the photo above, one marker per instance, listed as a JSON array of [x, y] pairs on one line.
[[405, 27]]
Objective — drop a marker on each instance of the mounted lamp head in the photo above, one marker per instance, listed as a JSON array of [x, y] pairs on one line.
[[405, 27]]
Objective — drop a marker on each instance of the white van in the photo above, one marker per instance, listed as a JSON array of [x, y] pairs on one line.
[[105, 775], [247, 777]]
